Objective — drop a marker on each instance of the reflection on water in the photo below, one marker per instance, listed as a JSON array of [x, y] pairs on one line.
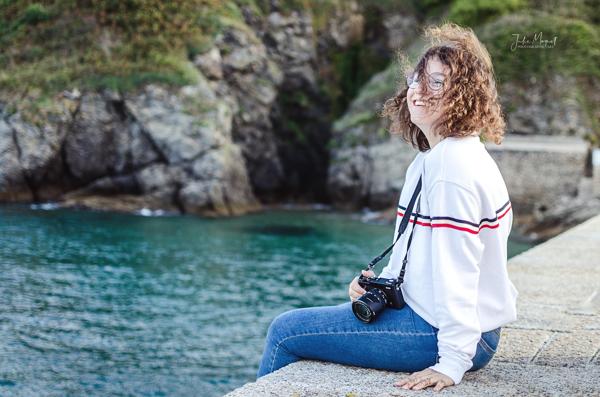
[[108, 304]]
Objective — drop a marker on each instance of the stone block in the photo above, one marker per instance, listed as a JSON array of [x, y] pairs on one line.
[[520, 345], [575, 348]]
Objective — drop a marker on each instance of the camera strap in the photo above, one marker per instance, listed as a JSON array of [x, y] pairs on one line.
[[401, 229], [401, 276]]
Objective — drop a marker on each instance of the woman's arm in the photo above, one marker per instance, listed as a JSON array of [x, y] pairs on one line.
[[456, 253]]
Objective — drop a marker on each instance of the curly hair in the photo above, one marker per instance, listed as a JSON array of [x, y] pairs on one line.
[[469, 100]]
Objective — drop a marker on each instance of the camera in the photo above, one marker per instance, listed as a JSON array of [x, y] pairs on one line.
[[381, 293]]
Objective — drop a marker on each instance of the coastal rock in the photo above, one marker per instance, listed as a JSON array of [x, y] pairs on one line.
[[177, 133], [551, 106], [402, 28], [210, 64], [30, 159], [257, 110], [288, 39], [252, 79], [346, 27], [13, 183], [209, 194], [103, 140], [155, 148], [360, 176], [204, 171], [299, 115]]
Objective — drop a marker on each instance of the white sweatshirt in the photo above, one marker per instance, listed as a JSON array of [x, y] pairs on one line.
[[456, 277]]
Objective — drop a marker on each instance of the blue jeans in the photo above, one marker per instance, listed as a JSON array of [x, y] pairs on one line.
[[397, 340]]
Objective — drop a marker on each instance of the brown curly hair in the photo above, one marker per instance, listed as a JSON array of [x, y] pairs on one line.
[[469, 99]]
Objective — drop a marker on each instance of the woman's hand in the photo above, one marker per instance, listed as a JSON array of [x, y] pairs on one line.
[[422, 379], [356, 291]]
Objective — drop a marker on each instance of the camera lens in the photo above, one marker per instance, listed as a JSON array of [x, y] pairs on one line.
[[362, 311], [369, 305]]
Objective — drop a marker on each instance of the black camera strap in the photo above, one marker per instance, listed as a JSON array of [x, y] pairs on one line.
[[401, 229], [401, 276]]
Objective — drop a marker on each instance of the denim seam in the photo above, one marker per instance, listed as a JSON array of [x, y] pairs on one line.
[[338, 333], [486, 346]]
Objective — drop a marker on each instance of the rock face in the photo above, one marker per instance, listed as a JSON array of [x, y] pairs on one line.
[[252, 79], [550, 107], [369, 176], [30, 156], [208, 148], [300, 113], [253, 128], [13, 181], [158, 148]]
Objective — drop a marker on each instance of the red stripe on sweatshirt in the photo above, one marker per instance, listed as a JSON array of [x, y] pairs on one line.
[[461, 228]]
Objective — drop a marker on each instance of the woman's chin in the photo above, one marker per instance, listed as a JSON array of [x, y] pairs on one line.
[[417, 117]]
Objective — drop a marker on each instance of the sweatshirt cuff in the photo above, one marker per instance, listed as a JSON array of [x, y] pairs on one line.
[[453, 371]]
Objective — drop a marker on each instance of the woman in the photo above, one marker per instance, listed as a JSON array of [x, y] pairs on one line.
[[456, 286]]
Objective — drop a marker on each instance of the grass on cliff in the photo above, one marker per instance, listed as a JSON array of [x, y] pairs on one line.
[[55, 45], [52, 45], [575, 52]]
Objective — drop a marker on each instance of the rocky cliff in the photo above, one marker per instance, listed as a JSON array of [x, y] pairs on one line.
[[249, 127]]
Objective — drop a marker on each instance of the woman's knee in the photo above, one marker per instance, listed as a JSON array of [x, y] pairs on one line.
[[284, 324]]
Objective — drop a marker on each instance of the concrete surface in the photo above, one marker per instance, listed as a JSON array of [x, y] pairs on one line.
[[553, 349]]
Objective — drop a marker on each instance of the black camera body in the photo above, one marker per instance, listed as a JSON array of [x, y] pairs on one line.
[[380, 293], [385, 292]]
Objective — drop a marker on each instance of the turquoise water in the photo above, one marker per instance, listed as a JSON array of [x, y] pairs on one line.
[[103, 304]]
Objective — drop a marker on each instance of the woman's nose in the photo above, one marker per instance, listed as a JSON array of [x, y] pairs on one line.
[[415, 94]]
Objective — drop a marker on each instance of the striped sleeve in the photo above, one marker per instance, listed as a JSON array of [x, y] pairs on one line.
[[456, 251]]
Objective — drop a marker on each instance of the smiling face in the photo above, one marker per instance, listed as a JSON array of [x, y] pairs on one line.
[[467, 102], [425, 114]]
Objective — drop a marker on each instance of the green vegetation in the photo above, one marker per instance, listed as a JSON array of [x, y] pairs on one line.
[[473, 12], [352, 69], [53, 45], [576, 52], [355, 119]]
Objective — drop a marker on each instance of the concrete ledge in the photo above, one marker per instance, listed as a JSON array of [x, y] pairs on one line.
[[553, 349], [320, 379]]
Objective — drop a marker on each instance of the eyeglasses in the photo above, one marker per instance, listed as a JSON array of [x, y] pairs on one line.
[[434, 81]]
